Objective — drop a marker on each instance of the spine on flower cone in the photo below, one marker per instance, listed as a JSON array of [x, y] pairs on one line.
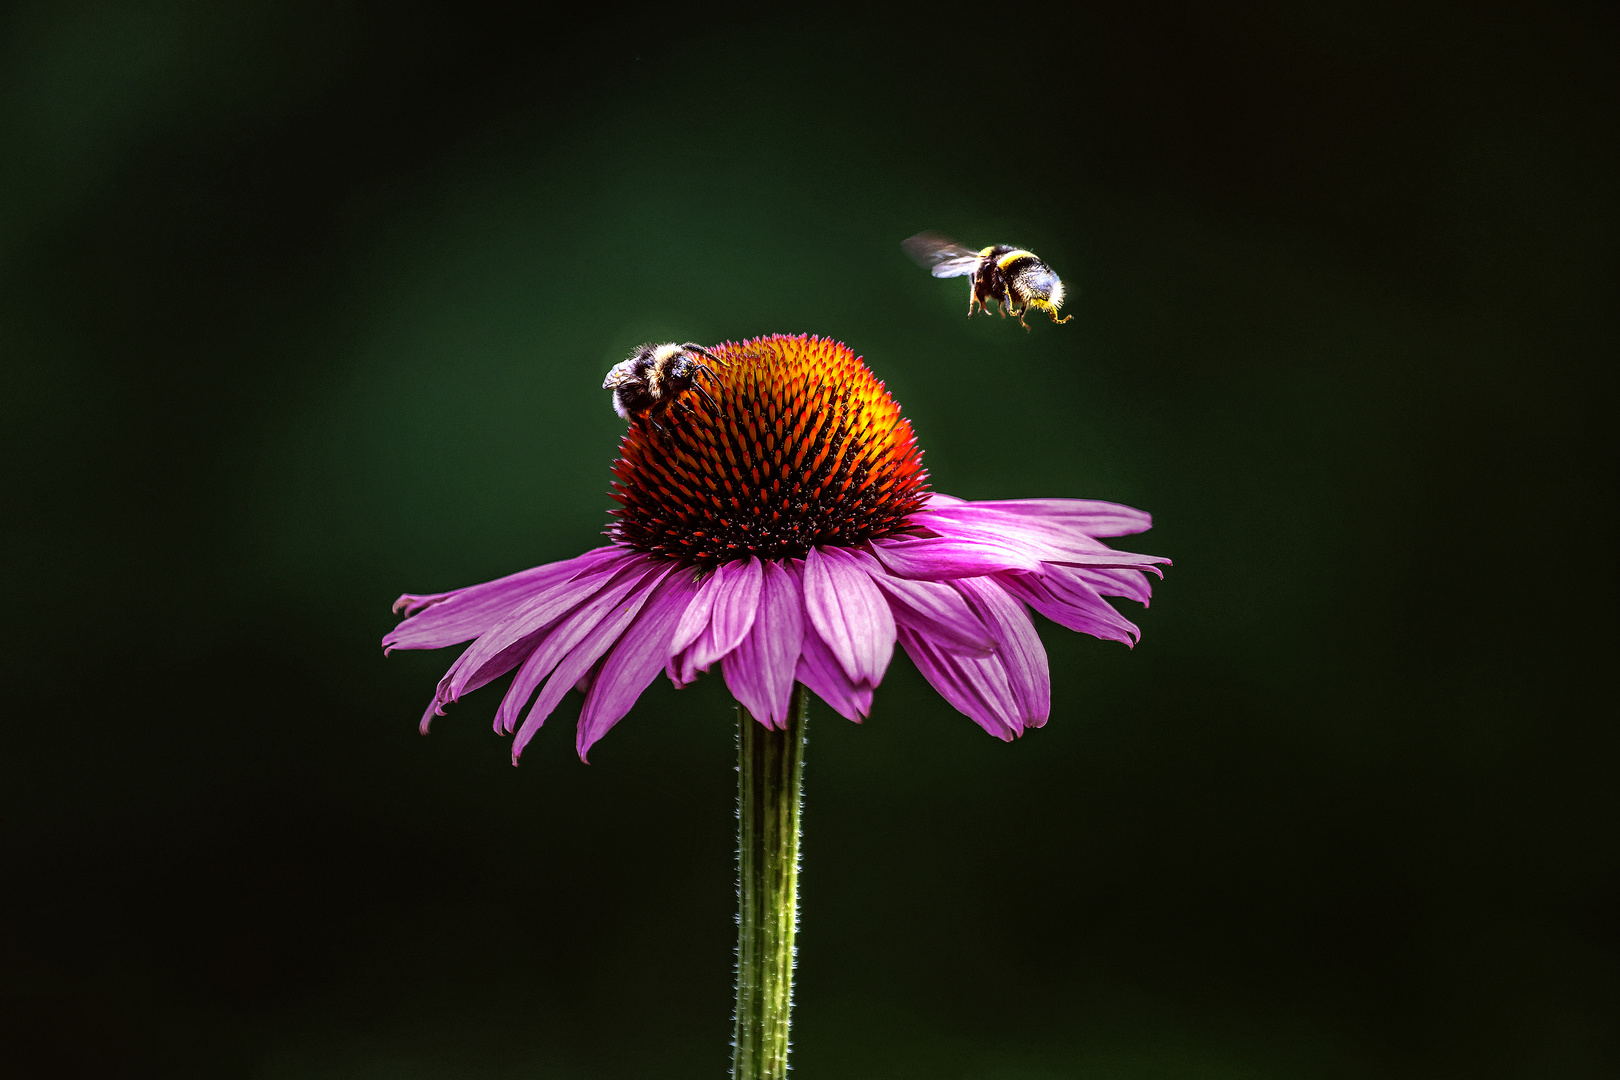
[[770, 772]]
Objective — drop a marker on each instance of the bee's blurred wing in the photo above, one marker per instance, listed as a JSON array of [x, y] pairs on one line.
[[619, 374], [962, 264], [940, 255]]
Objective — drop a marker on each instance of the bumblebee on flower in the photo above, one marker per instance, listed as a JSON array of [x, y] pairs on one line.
[[655, 377]]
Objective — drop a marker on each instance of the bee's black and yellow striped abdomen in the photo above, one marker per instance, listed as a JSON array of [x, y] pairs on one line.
[[1015, 261]]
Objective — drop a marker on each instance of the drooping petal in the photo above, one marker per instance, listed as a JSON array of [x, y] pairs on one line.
[[848, 612], [561, 639], [635, 660], [1092, 517], [1019, 650], [760, 670], [736, 604], [820, 670], [500, 590], [1131, 584], [1072, 604], [435, 708], [937, 611], [695, 619], [976, 686], [694, 625], [473, 671], [1033, 540], [591, 648], [940, 558], [457, 682], [527, 618], [441, 619], [1093, 554]]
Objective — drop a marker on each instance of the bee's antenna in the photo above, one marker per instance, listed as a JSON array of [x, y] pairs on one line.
[[704, 352]]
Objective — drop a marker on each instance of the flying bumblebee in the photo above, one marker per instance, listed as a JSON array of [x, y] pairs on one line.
[[1012, 277], [656, 377]]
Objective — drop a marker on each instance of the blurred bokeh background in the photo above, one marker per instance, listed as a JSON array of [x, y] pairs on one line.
[[304, 305]]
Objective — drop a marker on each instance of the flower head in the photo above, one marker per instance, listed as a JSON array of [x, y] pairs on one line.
[[780, 524], [796, 446]]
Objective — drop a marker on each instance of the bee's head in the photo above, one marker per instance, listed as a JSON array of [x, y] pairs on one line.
[[683, 368], [686, 361]]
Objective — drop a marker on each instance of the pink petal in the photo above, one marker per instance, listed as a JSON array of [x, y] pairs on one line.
[[517, 584], [635, 660], [937, 611], [596, 642], [760, 670], [694, 620], [736, 589], [435, 708], [1071, 603], [1131, 584], [441, 619], [943, 558], [1032, 539], [849, 613], [528, 617], [1090, 516], [736, 605], [973, 685], [1021, 653], [561, 639], [489, 670], [819, 670]]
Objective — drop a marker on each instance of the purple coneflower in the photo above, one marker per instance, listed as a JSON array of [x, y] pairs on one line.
[[779, 524], [787, 533]]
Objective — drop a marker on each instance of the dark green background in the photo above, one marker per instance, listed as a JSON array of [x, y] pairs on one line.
[[305, 305]]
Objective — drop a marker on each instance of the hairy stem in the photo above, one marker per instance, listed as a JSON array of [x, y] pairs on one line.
[[770, 771]]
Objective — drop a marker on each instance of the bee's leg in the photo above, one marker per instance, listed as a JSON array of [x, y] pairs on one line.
[[699, 388]]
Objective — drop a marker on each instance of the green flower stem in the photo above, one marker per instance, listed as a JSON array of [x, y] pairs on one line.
[[770, 772]]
